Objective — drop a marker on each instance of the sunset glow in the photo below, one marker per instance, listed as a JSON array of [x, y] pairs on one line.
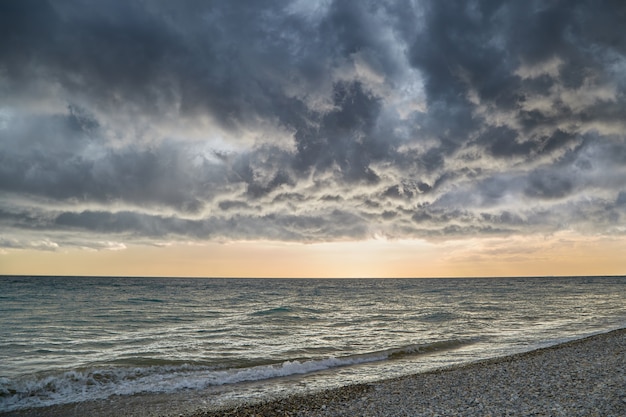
[[559, 255]]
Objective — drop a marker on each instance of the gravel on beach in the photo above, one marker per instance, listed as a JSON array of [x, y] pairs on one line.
[[584, 377]]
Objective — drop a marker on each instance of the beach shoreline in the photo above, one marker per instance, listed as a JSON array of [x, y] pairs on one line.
[[582, 377]]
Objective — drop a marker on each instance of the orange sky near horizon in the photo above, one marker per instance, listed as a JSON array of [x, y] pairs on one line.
[[560, 254]]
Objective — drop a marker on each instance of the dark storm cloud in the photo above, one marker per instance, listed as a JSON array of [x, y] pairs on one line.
[[336, 224], [475, 55], [50, 157], [344, 136], [311, 121], [543, 184]]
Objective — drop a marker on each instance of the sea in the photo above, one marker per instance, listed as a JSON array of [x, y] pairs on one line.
[[109, 346]]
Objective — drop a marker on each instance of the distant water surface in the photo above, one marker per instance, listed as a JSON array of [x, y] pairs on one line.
[[156, 345]]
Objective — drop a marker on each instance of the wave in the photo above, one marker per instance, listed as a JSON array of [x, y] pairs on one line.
[[271, 311], [101, 383], [284, 310]]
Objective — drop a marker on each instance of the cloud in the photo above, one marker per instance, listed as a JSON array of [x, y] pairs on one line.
[[310, 121]]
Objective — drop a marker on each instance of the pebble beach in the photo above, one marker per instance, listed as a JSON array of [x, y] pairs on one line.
[[585, 377]]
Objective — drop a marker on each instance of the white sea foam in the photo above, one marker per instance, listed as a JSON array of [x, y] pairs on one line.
[[78, 386]]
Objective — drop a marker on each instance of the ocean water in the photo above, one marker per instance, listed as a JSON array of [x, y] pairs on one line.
[[142, 346]]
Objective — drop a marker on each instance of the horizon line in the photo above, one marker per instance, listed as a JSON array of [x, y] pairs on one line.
[[317, 278]]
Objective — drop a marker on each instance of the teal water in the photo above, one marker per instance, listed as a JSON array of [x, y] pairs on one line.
[[209, 342]]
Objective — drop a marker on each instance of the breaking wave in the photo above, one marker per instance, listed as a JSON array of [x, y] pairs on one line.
[[100, 383]]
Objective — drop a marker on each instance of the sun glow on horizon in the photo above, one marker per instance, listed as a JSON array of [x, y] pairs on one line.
[[559, 254]]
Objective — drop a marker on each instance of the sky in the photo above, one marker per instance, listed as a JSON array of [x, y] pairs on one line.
[[313, 138]]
